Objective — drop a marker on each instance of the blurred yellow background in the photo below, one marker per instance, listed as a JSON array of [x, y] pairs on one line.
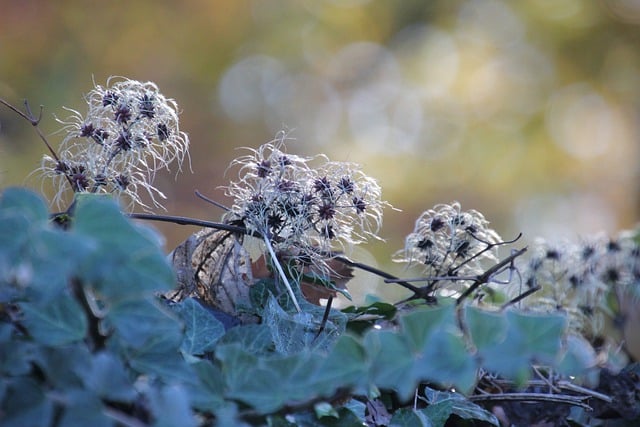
[[525, 110]]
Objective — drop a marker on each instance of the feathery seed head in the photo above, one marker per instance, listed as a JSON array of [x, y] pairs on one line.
[[129, 132], [304, 205]]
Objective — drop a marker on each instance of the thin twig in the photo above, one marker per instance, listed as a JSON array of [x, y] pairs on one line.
[[561, 384], [325, 317], [578, 389], [520, 297], [430, 278], [546, 381], [377, 272], [484, 278], [211, 201], [181, 220], [122, 418], [478, 280], [28, 116], [488, 248], [533, 397]]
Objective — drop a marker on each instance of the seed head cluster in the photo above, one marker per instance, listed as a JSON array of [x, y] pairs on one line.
[[449, 242], [130, 131], [583, 278], [304, 206]]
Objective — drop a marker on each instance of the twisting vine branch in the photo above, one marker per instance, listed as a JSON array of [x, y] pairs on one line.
[[377, 272], [181, 220], [533, 397], [35, 122], [486, 276], [419, 293], [477, 280]]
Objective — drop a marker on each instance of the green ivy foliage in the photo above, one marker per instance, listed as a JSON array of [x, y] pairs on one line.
[[85, 339]]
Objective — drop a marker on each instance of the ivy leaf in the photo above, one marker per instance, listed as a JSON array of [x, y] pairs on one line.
[[25, 404], [108, 378], [64, 366], [468, 410], [170, 366], [443, 404], [345, 418], [540, 335], [127, 261], [391, 362], [54, 256], [100, 216], [170, 406], [207, 392], [418, 325], [83, 408], [441, 354], [28, 204], [149, 336], [291, 333], [14, 234], [446, 360], [268, 383], [428, 347], [160, 358], [486, 328], [406, 417], [324, 409], [341, 417], [138, 321], [374, 312], [60, 321], [260, 292], [294, 332], [345, 364], [255, 339], [357, 408], [35, 257], [16, 270], [202, 329], [384, 310], [439, 413], [17, 361], [530, 338], [250, 381], [579, 359]]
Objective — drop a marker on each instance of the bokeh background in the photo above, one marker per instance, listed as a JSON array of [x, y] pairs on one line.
[[525, 110]]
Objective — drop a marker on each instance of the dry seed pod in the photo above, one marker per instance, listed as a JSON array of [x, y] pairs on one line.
[[212, 265]]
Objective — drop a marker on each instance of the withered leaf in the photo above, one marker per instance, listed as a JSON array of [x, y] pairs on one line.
[[212, 265], [313, 282], [339, 275]]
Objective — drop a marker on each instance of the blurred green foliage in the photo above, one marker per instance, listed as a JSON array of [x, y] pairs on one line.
[[523, 110], [103, 349]]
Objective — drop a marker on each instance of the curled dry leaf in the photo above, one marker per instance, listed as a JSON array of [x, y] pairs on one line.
[[313, 282], [213, 266], [339, 275]]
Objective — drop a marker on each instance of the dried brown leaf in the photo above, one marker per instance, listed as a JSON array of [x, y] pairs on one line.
[[213, 266], [339, 275]]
